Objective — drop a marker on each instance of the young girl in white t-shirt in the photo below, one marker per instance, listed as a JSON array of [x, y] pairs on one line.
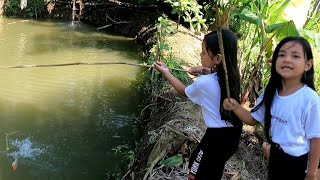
[[221, 138], [289, 108]]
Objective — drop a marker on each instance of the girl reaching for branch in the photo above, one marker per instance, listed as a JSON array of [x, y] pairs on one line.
[[221, 138], [289, 108]]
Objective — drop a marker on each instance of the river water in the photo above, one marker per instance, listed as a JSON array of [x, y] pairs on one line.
[[70, 122]]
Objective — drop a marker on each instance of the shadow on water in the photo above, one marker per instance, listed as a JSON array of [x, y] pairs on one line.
[[77, 38], [55, 36]]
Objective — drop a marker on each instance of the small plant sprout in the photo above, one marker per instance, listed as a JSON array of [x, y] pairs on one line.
[[7, 139]]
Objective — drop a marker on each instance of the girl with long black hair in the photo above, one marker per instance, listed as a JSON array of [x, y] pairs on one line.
[[289, 108], [221, 138]]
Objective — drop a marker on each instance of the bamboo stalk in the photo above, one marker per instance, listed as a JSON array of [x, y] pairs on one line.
[[223, 61], [84, 63], [218, 23]]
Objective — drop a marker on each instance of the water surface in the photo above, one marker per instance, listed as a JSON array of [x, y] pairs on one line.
[[67, 122]]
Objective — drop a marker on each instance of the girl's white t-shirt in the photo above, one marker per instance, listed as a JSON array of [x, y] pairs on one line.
[[206, 93], [295, 120]]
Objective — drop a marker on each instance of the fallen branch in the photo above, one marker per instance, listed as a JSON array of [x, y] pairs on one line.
[[113, 22]]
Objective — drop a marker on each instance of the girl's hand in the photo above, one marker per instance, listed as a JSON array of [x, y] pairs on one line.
[[161, 67], [196, 71], [230, 104], [266, 150]]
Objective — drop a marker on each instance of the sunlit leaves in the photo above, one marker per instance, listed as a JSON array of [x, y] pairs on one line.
[[275, 11], [191, 12], [311, 36]]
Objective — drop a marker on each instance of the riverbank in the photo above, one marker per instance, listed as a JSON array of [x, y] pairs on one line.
[[175, 127]]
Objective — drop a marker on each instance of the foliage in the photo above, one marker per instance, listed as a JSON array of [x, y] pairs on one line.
[[191, 12], [143, 2], [161, 51], [127, 157], [313, 18], [266, 23], [33, 8]]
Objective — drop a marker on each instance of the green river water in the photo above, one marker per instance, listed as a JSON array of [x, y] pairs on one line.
[[72, 122]]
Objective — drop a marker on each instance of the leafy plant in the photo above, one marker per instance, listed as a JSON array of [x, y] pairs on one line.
[[191, 12], [173, 161], [264, 24], [31, 10]]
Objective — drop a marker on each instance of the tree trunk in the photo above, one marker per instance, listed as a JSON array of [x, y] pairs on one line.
[[2, 4]]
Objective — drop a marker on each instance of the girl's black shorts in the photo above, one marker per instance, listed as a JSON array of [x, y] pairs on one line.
[[216, 147]]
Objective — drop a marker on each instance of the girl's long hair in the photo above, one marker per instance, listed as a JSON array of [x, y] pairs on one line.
[[230, 49], [275, 79]]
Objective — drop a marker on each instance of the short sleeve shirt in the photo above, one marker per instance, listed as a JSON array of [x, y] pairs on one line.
[[295, 119], [206, 93]]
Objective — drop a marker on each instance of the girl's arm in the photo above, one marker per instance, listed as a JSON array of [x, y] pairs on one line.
[[198, 70], [159, 66], [314, 157], [243, 114]]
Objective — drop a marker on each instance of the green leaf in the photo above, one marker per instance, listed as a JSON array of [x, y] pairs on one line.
[[243, 1], [269, 50], [264, 10], [164, 47], [174, 11], [276, 11], [311, 36], [274, 27], [287, 29], [239, 10], [173, 161], [176, 4], [250, 17]]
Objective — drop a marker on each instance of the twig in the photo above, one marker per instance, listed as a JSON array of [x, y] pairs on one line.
[[7, 139], [114, 22], [126, 174], [153, 104]]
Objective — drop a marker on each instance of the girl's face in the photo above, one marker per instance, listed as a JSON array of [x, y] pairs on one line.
[[291, 62], [207, 58]]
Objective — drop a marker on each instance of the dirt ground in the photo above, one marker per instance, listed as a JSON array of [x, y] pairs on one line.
[[176, 126]]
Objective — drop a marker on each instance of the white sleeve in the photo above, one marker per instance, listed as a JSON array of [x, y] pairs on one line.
[[312, 123], [259, 114], [194, 93]]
